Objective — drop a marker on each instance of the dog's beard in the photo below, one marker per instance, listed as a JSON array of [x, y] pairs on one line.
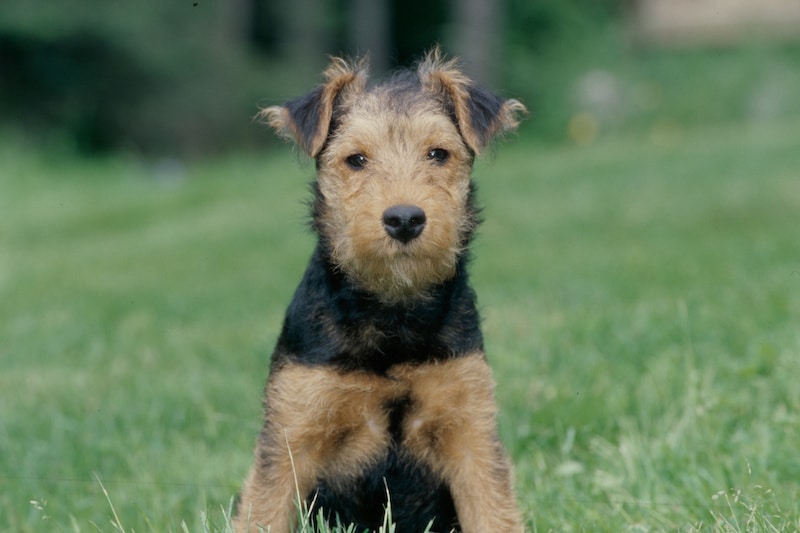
[[396, 272]]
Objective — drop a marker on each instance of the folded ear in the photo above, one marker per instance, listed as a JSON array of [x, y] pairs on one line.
[[480, 114], [307, 119]]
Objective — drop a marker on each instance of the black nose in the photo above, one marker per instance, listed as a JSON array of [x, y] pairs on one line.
[[404, 222]]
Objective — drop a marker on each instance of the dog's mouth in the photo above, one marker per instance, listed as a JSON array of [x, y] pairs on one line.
[[403, 249], [401, 271]]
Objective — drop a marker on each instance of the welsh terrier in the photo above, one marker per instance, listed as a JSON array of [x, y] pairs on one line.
[[379, 392]]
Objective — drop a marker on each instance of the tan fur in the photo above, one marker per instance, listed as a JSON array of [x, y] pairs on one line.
[[323, 422], [335, 425], [452, 428], [342, 78], [443, 76], [396, 146]]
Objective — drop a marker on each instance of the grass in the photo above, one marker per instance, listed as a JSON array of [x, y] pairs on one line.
[[641, 301]]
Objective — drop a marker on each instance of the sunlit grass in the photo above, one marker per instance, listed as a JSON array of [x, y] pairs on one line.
[[641, 301]]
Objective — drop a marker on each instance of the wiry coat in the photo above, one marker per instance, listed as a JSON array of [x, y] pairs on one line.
[[379, 389]]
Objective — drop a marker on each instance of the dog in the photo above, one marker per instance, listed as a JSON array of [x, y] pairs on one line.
[[379, 393]]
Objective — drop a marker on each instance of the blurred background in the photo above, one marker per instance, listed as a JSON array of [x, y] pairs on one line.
[[185, 77], [638, 269]]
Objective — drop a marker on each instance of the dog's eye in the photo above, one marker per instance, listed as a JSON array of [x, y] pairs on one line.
[[356, 161], [440, 155]]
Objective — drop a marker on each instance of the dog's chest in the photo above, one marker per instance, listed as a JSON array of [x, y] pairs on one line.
[[409, 426]]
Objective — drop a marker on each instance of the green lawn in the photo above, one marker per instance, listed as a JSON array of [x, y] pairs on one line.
[[642, 313]]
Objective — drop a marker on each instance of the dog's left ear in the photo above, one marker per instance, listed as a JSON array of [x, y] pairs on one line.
[[480, 114], [307, 119]]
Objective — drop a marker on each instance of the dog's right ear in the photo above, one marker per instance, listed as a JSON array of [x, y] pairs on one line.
[[307, 119]]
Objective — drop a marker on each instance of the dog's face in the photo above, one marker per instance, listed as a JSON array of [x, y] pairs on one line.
[[394, 203], [394, 186]]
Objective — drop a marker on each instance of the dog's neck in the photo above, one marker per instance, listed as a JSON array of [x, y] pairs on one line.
[[332, 322]]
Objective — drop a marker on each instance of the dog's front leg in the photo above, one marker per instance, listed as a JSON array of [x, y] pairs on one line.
[[320, 424], [270, 491], [452, 428]]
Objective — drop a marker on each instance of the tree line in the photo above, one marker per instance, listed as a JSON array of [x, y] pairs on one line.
[[186, 76]]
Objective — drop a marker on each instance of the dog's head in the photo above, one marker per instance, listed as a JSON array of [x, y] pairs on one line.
[[394, 161]]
